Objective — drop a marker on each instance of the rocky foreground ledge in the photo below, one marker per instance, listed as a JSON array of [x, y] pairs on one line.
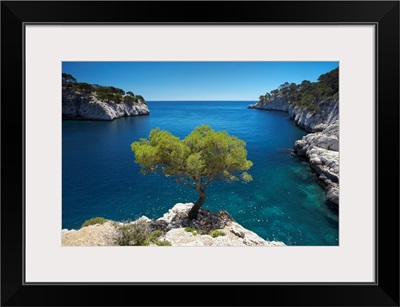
[[173, 228]]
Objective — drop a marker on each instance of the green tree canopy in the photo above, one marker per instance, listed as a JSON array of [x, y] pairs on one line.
[[306, 94], [330, 80], [104, 93], [129, 98], [202, 157], [86, 87], [140, 99], [67, 78]]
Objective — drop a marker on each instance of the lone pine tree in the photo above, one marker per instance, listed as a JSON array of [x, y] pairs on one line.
[[200, 158]]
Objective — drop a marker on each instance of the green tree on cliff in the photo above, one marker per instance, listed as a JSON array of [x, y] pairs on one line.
[[202, 157], [140, 99], [68, 79]]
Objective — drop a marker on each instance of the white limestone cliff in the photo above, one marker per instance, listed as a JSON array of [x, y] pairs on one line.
[[321, 147], [76, 105]]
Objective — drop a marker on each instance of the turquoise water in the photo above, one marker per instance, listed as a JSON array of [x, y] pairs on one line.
[[283, 202]]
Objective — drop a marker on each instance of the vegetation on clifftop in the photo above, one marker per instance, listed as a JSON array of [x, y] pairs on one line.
[[306, 93], [108, 94], [139, 234], [94, 221]]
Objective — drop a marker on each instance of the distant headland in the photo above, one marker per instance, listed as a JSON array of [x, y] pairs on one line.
[[84, 101], [314, 106]]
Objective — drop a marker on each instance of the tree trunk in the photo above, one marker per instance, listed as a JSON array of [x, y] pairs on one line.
[[195, 209]]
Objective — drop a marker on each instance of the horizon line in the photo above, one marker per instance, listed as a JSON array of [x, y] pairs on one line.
[[201, 100]]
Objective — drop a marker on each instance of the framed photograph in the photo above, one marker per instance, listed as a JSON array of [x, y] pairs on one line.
[[144, 148]]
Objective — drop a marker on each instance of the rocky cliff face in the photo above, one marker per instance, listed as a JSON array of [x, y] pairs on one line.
[[173, 227], [76, 105], [325, 115], [321, 150], [321, 147], [277, 104]]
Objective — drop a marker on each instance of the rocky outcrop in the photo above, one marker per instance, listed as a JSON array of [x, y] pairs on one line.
[[280, 103], [325, 114], [321, 147], [206, 221], [175, 228], [76, 105], [94, 235], [322, 152]]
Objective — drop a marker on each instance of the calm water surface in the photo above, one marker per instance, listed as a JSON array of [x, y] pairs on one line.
[[283, 202]]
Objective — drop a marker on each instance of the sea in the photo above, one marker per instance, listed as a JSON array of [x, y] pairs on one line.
[[284, 202]]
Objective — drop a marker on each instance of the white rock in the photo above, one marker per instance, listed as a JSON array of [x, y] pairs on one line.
[[235, 234], [78, 106], [179, 207], [321, 147], [143, 219]]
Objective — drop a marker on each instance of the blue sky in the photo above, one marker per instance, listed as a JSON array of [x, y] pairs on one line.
[[197, 80]]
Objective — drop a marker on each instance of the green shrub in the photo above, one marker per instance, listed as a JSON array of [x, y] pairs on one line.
[[155, 234], [162, 243], [93, 221], [134, 235], [129, 99], [139, 235], [312, 107], [118, 98], [192, 230], [85, 87], [216, 233], [154, 238]]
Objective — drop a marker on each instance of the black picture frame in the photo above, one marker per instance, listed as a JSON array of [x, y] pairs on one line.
[[383, 14]]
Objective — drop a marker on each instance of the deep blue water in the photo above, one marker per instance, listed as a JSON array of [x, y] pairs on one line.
[[283, 202]]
